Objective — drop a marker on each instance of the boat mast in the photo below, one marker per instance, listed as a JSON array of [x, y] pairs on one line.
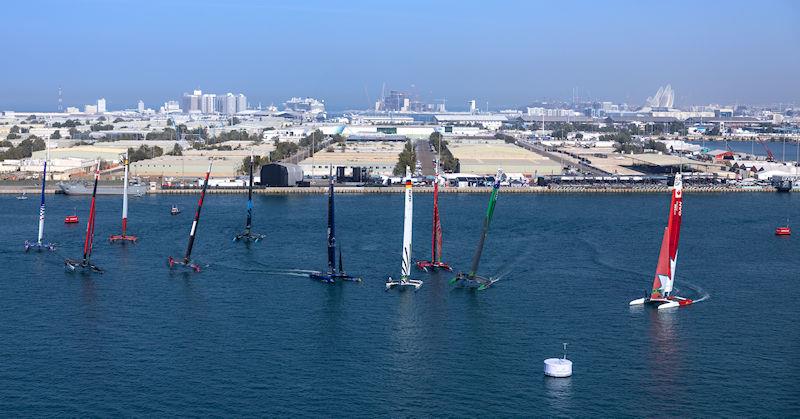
[[407, 228], [88, 242], [436, 246], [249, 223], [331, 231], [674, 229], [487, 220], [186, 258], [41, 206], [125, 197]]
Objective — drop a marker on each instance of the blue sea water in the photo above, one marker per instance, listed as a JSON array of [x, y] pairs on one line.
[[787, 151], [249, 336]]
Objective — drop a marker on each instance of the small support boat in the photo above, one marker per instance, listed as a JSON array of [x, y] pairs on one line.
[[174, 210], [471, 279], [333, 274], [186, 262], [86, 264], [122, 238], [783, 231], [23, 196], [71, 219], [405, 270], [661, 294]]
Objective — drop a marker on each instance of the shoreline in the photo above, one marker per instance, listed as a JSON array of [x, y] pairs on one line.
[[320, 190]]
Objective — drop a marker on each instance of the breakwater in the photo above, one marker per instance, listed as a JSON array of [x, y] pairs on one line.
[[34, 192]]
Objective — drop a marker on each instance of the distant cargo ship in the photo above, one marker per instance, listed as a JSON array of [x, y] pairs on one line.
[[76, 188]]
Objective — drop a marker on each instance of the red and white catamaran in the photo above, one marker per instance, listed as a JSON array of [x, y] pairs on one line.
[[187, 262], [661, 294], [124, 237], [436, 239], [86, 264]]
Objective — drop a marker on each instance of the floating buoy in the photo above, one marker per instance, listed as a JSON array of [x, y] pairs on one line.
[[558, 367]]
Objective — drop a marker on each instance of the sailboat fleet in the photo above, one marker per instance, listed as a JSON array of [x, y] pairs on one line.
[[661, 294]]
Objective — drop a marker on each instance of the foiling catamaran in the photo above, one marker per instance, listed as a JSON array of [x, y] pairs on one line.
[[436, 239], [86, 264], [247, 235], [661, 294], [39, 244], [405, 272], [186, 262], [333, 274], [472, 279], [124, 237]]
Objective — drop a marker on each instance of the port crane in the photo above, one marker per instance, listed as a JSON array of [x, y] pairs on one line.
[[770, 156]]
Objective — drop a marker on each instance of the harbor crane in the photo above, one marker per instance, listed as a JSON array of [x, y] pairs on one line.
[[770, 156]]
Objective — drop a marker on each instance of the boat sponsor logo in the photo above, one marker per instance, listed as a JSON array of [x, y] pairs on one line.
[[678, 208]]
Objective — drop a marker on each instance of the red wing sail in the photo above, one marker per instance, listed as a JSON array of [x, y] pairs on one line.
[[674, 225], [438, 233], [662, 276], [436, 245], [674, 228]]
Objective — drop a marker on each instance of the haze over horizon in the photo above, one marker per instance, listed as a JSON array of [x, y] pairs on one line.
[[508, 54]]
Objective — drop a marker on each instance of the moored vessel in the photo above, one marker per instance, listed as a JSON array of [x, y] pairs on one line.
[[79, 188]]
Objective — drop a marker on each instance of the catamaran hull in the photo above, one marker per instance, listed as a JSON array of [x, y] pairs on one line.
[[72, 265], [332, 278], [249, 237], [477, 282], [183, 264], [427, 266], [39, 246], [402, 283], [122, 239], [663, 303]]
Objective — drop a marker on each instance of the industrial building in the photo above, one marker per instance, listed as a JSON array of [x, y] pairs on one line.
[[281, 174], [484, 120], [186, 166], [376, 158]]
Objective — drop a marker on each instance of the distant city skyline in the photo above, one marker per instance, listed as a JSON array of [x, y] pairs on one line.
[[509, 54]]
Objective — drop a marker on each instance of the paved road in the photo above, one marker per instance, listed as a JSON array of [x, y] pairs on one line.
[[425, 156], [561, 158]]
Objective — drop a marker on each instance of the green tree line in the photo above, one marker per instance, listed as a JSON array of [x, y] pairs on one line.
[[24, 149], [448, 162], [407, 157]]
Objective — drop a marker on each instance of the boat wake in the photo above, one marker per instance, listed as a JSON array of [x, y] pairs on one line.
[[508, 267], [597, 258], [703, 295]]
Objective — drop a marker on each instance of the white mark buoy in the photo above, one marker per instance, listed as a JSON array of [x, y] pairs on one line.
[[558, 367]]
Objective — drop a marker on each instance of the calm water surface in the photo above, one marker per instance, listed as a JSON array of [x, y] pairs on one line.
[[245, 337]]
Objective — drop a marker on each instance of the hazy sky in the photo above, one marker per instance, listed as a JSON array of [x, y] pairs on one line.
[[505, 52]]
